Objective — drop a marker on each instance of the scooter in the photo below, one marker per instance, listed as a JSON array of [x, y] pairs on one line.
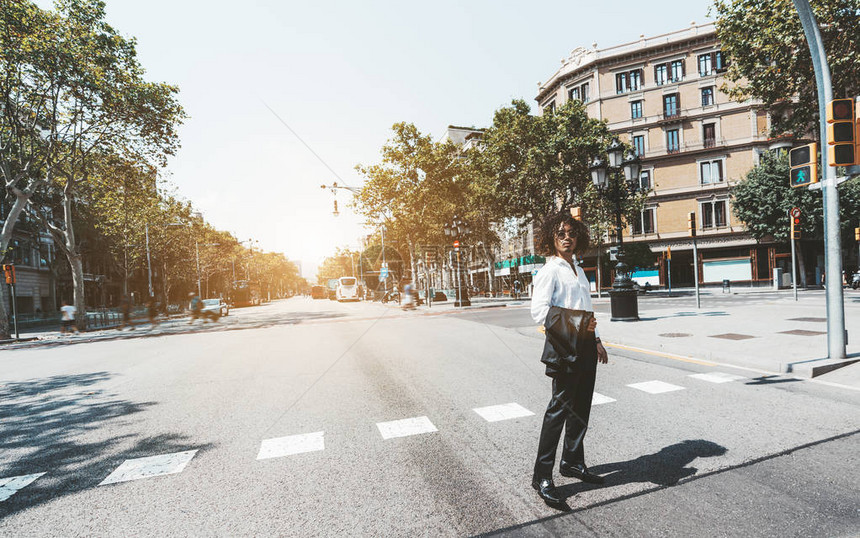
[[855, 280]]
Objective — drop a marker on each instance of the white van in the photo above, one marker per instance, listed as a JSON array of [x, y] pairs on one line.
[[347, 289]]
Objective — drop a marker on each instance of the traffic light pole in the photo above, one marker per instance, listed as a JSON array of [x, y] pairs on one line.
[[15, 309], [793, 270], [696, 272], [836, 336]]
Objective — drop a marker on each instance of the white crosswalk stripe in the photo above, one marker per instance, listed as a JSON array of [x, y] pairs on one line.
[[655, 387], [293, 444], [405, 427], [597, 399], [717, 377], [10, 486], [495, 413], [161, 465]]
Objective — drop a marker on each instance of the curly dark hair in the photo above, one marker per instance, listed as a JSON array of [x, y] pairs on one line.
[[545, 239]]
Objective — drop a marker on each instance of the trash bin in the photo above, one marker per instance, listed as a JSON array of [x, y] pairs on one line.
[[727, 286]]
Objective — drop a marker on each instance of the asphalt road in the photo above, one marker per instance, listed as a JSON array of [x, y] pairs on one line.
[[287, 427]]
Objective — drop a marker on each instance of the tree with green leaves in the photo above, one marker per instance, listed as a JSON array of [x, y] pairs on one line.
[[93, 101], [763, 199], [769, 58]]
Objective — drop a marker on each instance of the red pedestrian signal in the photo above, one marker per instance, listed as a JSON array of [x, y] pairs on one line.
[[9, 273], [840, 133]]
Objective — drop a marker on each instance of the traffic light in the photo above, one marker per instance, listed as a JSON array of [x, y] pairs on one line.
[[840, 133], [795, 224], [804, 165], [857, 234], [691, 224], [9, 272], [576, 213]]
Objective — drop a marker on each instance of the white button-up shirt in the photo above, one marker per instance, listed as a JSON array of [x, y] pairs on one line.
[[556, 284]]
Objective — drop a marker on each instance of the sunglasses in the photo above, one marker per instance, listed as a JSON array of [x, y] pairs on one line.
[[562, 234]]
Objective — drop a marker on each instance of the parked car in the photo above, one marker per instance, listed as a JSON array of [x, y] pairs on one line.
[[215, 308]]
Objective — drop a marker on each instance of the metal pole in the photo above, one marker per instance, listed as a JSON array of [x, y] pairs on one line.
[[836, 337], [669, 274], [793, 270], [197, 251], [15, 309], [696, 272], [459, 284], [383, 259], [148, 259]]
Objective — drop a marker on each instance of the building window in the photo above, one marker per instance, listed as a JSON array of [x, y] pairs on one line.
[[645, 181], [709, 135], [645, 223], [580, 93], [673, 144], [636, 109], [720, 63], [639, 145], [549, 107], [628, 81], [671, 105], [708, 96], [676, 71], [714, 214], [661, 74], [706, 64], [711, 171]]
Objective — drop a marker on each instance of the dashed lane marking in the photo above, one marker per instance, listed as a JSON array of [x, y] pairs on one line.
[[405, 427], [293, 444], [717, 377], [597, 399], [495, 413], [10, 486], [655, 387], [138, 468]]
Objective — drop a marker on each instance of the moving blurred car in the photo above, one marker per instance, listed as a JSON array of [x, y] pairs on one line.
[[215, 308]]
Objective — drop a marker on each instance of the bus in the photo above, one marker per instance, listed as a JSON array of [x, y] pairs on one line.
[[347, 289], [246, 293]]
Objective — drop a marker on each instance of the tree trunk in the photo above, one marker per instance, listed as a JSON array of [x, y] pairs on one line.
[[77, 266], [21, 199]]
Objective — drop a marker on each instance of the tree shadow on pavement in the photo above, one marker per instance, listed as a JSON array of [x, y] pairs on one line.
[[664, 468], [64, 426]]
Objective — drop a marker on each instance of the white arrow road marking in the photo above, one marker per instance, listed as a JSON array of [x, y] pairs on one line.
[[137, 468], [293, 444], [495, 413], [597, 399], [10, 486], [655, 387], [405, 427], [717, 377]]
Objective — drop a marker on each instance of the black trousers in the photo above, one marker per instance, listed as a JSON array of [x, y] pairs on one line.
[[569, 408]]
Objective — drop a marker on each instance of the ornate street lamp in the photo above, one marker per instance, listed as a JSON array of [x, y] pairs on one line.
[[455, 229], [623, 300]]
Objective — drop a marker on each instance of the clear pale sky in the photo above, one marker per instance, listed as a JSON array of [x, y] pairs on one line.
[[341, 74]]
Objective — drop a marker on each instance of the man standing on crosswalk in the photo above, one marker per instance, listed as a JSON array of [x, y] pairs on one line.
[[562, 283]]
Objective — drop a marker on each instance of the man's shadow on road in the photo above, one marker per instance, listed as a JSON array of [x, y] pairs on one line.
[[664, 468]]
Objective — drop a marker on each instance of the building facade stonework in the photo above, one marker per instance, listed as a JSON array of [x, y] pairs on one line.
[[662, 96]]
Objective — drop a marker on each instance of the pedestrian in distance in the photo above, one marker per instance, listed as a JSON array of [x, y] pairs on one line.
[[125, 309], [67, 314], [195, 306], [152, 311], [562, 292]]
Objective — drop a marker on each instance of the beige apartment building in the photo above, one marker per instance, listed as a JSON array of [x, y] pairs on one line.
[[662, 95]]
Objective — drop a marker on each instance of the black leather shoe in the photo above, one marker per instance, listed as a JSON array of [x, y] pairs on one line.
[[580, 471], [546, 489]]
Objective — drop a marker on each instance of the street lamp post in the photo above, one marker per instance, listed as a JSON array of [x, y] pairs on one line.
[[623, 300], [455, 229]]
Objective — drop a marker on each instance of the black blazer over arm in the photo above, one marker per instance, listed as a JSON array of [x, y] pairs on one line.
[[569, 347]]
